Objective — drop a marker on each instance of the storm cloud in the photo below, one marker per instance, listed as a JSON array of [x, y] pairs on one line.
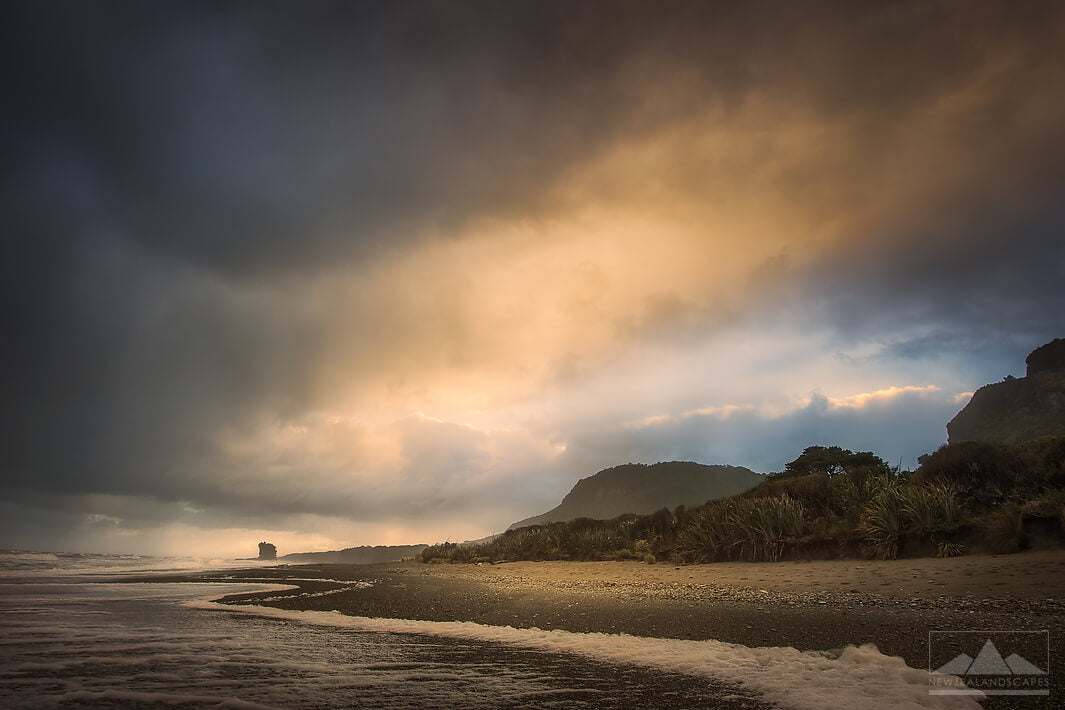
[[363, 272]]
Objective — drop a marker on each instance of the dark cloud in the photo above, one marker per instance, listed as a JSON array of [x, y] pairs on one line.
[[983, 285], [252, 138]]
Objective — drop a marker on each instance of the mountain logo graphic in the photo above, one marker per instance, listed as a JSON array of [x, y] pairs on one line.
[[989, 673], [989, 662]]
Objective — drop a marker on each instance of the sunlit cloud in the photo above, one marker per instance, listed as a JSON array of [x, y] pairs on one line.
[[864, 399], [770, 411]]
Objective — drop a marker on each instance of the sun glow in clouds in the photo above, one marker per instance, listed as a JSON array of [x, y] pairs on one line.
[[773, 411], [881, 396]]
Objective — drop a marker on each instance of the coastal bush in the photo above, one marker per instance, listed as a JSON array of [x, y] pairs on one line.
[[547, 542], [751, 529], [853, 491], [1003, 530], [985, 471], [446, 550], [706, 537], [831, 533], [525, 543], [1043, 461], [769, 525], [882, 523], [962, 495], [901, 510], [465, 553], [990, 473], [930, 509], [1049, 504], [814, 490], [662, 524], [644, 551], [950, 505], [593, 543], [919, 507], [682, 517], [950, 549]]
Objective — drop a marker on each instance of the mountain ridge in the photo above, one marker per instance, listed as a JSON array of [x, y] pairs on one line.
[[645, 488]]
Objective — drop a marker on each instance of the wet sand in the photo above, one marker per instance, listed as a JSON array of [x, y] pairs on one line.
[[818, 605]]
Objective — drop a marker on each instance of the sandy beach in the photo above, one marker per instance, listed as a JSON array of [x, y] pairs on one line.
[[817, 605]]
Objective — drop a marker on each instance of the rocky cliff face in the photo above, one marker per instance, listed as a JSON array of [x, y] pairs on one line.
[[639, 488], [1049, 358], [1018, 409]]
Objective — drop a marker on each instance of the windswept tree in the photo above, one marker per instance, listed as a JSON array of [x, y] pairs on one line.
[[833, 461]]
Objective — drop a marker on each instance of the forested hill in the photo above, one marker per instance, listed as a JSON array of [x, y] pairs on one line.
[[356, 555], [641, 488]]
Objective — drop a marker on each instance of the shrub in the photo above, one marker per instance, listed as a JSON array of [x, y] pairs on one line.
[[751, 529], [854, 490], [1003, 530], [1043, 462], [950, 549], [986, 471], [596, 543], [707, 536], [882, 524], [919, 508], [950, 505], [813, 490], [1048, 504]]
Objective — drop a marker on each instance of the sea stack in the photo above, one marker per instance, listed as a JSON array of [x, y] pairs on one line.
[[267, 551]]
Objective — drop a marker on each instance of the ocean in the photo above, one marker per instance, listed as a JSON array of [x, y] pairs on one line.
[[74, 632]]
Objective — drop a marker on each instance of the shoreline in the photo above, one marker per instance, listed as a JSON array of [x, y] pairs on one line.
[[818, 605]]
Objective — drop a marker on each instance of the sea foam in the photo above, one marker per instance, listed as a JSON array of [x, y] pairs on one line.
[[859, 676]]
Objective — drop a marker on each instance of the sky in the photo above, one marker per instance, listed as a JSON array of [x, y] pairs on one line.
[[350, 273]]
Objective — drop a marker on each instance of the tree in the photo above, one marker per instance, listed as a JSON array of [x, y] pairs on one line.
[[832, 461]]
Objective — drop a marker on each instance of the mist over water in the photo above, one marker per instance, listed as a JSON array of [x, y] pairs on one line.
[[35, 566], [71, 642]]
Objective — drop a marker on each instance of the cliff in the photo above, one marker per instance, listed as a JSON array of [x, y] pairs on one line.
[[1018, 409], [639, 488]]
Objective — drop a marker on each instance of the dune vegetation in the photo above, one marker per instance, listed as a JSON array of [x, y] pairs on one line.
[[829, 502]]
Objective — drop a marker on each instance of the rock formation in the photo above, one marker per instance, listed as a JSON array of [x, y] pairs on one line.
[[1018, 409], [267, 551], [1047, 358]]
